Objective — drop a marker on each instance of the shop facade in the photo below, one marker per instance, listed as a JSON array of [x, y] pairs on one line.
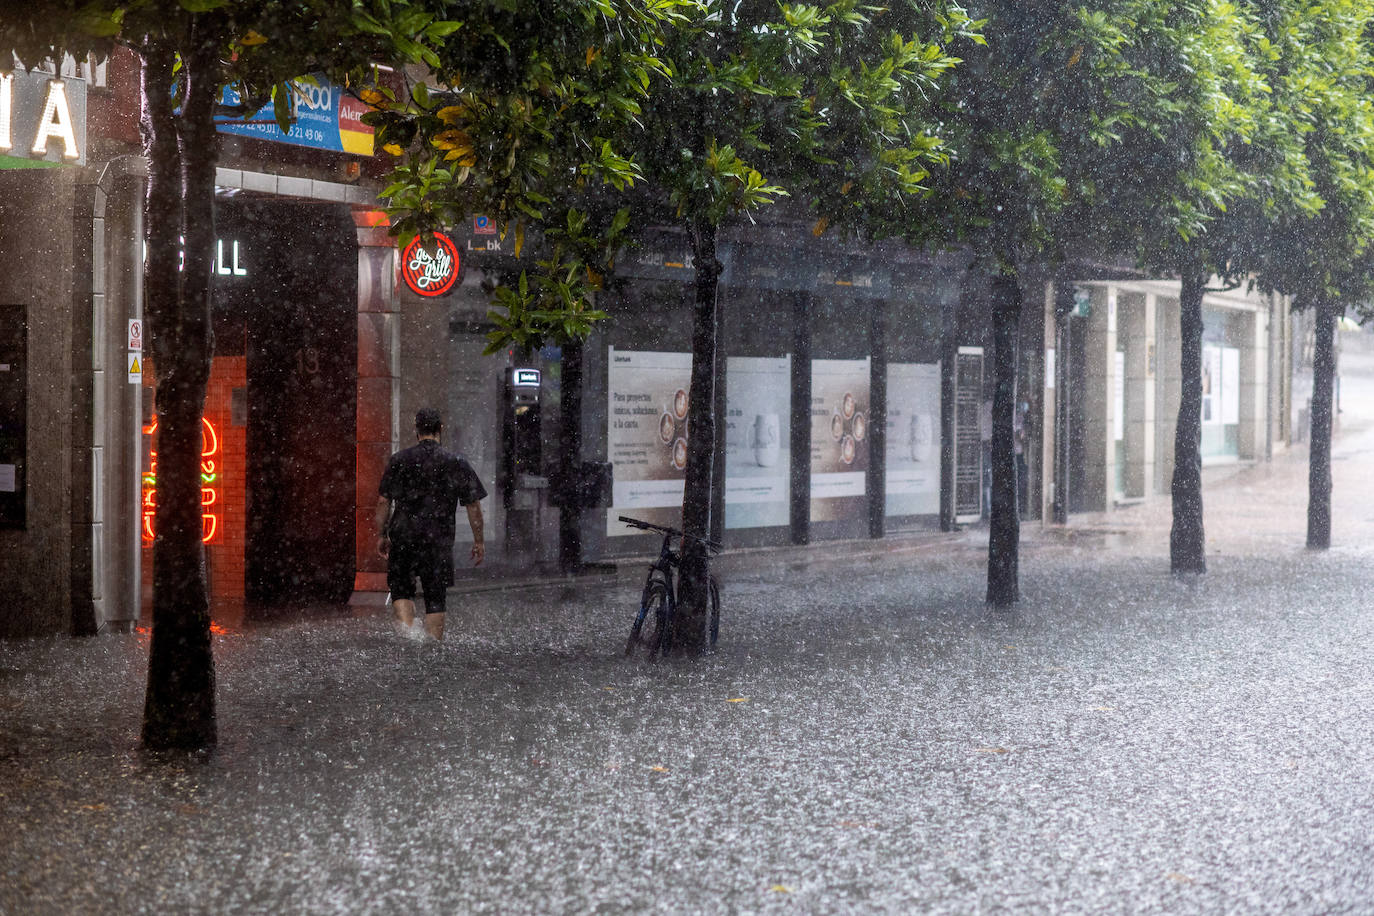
[[828, 391], [69, 218], [1120, 386], [851, 381], [301, 402]]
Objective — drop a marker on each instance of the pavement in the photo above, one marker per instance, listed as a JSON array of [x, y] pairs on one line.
[[869, 737]]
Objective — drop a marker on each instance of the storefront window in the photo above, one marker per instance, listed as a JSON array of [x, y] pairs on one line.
[[1220, 385]]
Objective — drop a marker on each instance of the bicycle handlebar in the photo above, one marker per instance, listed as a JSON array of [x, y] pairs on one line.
[[671, 532]]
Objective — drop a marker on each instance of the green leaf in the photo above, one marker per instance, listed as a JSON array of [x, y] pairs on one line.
[[282, 109]]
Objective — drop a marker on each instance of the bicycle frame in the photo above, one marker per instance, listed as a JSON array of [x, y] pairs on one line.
[[665, 568]]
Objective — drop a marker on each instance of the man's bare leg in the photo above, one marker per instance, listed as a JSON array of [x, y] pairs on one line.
[[403, 609], [434, 626]]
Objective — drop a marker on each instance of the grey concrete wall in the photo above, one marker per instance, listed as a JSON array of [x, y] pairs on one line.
[[1254, 385], [117, 411], [36, 243], [1136, 337], [1168, 389], [1098, 468], [1045, 303], [425, 370], [1280, 376]]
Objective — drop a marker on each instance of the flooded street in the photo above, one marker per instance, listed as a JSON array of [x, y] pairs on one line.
[[869, 737]]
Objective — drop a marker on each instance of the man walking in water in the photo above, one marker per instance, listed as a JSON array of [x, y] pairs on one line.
[[420, 493]]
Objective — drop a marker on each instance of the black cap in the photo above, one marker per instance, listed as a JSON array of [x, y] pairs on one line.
[[427, 421]]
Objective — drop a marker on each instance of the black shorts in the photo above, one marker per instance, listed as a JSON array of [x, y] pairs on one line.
[[431, 563]]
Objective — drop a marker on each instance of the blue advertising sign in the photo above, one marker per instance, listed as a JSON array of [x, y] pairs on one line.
[[326, 119]]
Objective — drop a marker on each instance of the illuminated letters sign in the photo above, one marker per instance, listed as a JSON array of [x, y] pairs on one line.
[[429, 273], [42, 117], [229, 260], [230, 267], [526, 378], [209, 484]]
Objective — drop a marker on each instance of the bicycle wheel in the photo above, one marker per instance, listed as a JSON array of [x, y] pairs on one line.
[[652, 620], [715, 611]]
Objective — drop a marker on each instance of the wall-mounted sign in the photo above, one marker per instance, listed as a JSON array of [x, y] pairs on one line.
[[228, 259], [758, 440], [325, 118], [839, 438], [135, 333], [913, 439], [429, 272], [42, 117], [646, 435], [483, 225], [135, 367]]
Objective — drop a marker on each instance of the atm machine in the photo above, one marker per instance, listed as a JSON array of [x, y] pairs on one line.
[[521, 477]]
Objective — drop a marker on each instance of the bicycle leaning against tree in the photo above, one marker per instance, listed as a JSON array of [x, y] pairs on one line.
[[658, 603]]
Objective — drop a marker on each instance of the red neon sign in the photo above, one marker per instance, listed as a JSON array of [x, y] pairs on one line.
[[430, 273], [209, 484]]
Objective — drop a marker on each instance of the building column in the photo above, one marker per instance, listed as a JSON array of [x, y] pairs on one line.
[[1097, 472], [1168, 388], [1137, 338], [1280, 388], [1254, 385], [378, 389]]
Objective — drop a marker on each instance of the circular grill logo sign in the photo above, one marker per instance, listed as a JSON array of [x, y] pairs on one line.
[[430, 273]]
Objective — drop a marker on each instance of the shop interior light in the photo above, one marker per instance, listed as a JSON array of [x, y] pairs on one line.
[[209, 481]]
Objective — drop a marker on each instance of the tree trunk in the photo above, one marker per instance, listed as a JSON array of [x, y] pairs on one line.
[[1187, 545], [1004, 535], [570, 455], [179, 707], [689, 622], [1319, 459]]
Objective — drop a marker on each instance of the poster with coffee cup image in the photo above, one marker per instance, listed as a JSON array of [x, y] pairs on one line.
[[646, 435], [839, 438], [758, 435]]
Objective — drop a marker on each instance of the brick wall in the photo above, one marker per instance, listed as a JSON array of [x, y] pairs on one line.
[[225, 551], [224, 554]]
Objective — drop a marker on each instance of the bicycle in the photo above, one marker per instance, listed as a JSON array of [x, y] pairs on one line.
[[659, 600]]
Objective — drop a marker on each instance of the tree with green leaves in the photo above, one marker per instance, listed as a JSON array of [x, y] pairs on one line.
[[522, 124], [1212, 157], [1022, 118], [1318, 61], [747, 103], [828, 105], [189, 51]]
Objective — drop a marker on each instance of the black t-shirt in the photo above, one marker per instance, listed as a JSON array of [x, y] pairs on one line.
[[426, 484]]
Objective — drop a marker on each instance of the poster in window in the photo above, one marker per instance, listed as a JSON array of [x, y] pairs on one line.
[[913, 438], [646, 435], [758, 453], [1211, 384], [839, 438]]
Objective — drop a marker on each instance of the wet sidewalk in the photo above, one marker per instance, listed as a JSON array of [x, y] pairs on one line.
[[869, 737]]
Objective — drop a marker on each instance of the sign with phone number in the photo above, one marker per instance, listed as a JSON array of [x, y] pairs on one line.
[[326, 118]]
